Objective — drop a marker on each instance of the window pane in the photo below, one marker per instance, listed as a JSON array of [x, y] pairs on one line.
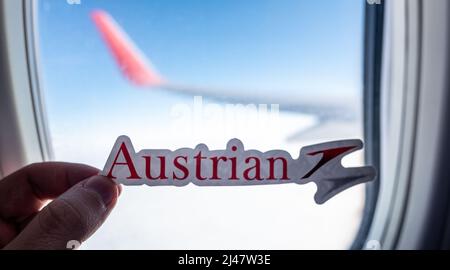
[[304, 56]]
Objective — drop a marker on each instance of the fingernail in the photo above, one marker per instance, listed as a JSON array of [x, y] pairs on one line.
[[104, 187]]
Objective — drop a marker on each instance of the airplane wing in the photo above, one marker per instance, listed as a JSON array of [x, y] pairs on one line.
[[139, 71]]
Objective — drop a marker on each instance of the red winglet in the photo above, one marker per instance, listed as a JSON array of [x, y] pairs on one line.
[[131, 61]]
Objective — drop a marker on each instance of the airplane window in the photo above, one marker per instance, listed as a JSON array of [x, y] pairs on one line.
[[173, 74]]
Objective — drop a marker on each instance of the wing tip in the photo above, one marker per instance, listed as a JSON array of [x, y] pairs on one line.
[[132, 63]]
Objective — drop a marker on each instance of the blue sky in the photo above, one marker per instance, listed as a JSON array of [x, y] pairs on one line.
[[256, 44], [299, 48]]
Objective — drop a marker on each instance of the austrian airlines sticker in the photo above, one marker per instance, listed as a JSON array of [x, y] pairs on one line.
[[235, 166]]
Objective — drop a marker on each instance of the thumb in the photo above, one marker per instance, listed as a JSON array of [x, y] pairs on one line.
[[75, 215]]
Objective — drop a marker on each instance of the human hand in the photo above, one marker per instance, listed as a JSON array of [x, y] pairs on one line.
[[82, 200]]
